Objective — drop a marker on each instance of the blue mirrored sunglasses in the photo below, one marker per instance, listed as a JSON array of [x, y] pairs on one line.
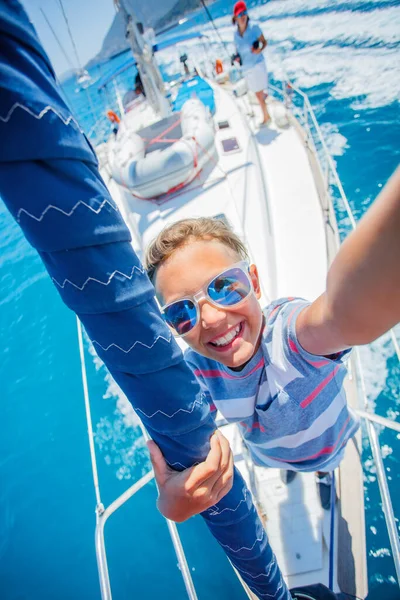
[[242, 14], [229, 288]]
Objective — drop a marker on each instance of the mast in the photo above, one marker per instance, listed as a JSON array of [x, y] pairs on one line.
[[148, 69]]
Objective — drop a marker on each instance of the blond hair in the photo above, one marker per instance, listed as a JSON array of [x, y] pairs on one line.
[[183, 232]]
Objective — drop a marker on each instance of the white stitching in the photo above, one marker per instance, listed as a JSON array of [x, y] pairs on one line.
[[106, 348], [173, 414], [244, 547], [80, 288], [273, 563], [38, 116], [67, 214], [181, 465], [216, 512], [278, 589], [177, 463]]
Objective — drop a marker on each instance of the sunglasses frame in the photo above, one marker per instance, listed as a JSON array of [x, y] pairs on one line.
[[202, 294], [242, 14]]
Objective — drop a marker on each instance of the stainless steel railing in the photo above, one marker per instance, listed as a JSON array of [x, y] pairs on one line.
[[102, 514], [387, 506]]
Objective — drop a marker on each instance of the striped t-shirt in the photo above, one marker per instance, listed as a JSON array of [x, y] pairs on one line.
[[289, 404]]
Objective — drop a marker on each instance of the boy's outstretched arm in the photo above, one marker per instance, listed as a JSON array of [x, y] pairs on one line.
[[362, 299]]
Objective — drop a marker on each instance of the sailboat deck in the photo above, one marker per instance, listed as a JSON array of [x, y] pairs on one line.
[[270, 191], [297, 526]]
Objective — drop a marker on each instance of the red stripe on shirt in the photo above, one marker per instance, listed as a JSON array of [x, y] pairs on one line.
[[291, 315], [258, 425], [318, 363], [319, 388], [326, 450], [274, 311]]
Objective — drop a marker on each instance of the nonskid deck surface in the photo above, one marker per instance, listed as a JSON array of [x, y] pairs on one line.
[[297, 526]]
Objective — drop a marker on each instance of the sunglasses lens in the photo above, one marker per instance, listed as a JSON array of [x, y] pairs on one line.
[[229, 288], [242, 14], [181, 316]]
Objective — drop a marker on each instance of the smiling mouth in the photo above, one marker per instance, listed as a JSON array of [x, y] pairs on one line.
[[226, 340]]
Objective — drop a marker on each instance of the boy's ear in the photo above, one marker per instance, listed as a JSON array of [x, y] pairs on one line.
[[255, 281]]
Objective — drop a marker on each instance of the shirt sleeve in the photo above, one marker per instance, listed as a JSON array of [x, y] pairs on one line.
[[296, 371], [257, 32]]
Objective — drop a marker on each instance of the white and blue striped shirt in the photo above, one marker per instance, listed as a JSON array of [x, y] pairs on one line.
[[290, 405]]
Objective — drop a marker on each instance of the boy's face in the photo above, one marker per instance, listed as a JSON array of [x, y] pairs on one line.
[[184, 273]]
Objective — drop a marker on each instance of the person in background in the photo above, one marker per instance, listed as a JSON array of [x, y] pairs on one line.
[[131, 97], [250, 44]]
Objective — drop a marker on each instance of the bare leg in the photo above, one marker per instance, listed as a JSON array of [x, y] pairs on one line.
[[261, 100]]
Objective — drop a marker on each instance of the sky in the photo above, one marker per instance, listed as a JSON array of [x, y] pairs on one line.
[[89, 21]]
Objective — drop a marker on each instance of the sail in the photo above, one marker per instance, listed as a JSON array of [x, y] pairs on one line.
[[50, 182]]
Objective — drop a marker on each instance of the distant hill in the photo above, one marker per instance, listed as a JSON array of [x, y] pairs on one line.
[[152, 13], [178, 10]]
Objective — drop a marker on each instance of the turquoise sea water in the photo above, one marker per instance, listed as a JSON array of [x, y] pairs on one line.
[[345, 54]]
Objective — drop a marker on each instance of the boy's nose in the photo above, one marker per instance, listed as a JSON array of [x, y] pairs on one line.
[[211, 316]]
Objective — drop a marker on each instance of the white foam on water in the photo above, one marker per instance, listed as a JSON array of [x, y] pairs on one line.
[[374, 361], [351, 50], [335, 141], [367, 77], [380, 552], [378, 27]]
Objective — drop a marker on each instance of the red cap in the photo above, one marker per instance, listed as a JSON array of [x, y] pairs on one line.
[[239, 7]]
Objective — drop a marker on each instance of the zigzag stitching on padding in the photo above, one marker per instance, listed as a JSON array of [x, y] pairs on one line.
[[105, 283], [39, 116], [245, 547], [175, 413], [278, 589], [67, 214], [271, 564], [217, 512], [105, 348]]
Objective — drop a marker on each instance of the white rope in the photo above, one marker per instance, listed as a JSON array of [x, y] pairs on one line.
[[88, 417]]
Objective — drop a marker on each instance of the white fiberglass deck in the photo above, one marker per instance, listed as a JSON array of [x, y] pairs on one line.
[[274, 208], [297, 526]]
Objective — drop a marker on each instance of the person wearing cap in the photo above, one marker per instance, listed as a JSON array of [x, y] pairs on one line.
[[250, 44]]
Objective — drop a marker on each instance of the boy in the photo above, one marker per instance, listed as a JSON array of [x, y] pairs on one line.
[[279, 374]]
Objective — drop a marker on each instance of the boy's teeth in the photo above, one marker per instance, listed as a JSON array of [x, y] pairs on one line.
[[226, 339]]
